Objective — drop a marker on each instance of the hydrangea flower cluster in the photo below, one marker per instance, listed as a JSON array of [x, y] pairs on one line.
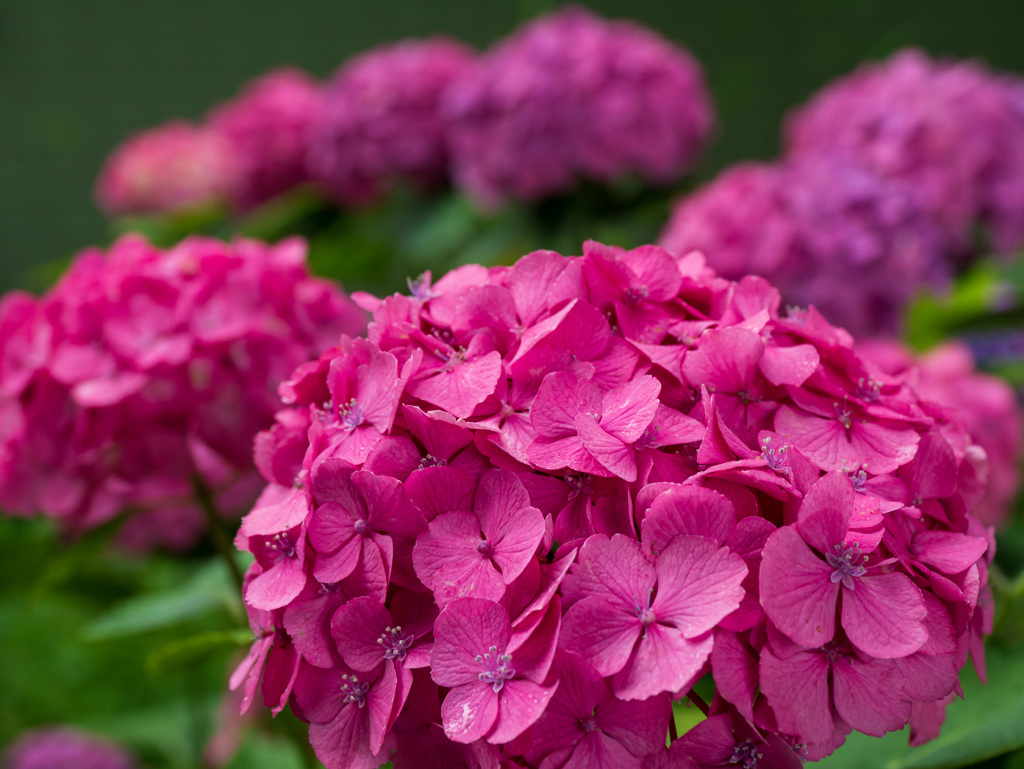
[[824, 230], [143, 370], [952, 130], [266, 128], [65, 748], [573, 96], [381, 121], [174, 167], [539, 503], [987, 404]]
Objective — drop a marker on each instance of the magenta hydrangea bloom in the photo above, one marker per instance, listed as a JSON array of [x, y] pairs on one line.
[[947, 129], [171, 168], [987, 405], [538, 502], [380, 121], [573, 96], [65, 748], [266, 128], [143, 370], [825, 230]]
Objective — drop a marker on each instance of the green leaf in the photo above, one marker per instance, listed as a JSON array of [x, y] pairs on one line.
[[260, 751], [195, 647], [987, 723], [210, 588]]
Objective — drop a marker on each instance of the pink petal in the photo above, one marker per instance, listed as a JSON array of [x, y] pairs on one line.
[[278, 508], [664, 661], [520, 704], [356, 627], [825, 513], [469, 711], [451, 537], [866, 698], [735, 672], [698, 584], [883, 615], [439, 490], [797, 690], [948, 551], [686, 510], [600, 751], [463, 388], [627, 410], [796, 590], [639, 725], [614, 569], [600, 633], [618, 457], [467, 627], [789, 365], [277, 586]]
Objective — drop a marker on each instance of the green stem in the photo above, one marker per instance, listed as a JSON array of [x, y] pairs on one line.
[[215, 526], [697, 700]]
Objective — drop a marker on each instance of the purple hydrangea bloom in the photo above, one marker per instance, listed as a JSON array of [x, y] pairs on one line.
[[536, 502], [65, 748], [946, 129], [573, 96], [826, 230], [380, 120], [171, 168], [266, 128], [143, 369]]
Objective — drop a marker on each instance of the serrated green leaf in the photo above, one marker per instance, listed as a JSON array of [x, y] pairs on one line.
[[209, 589], [987, 723]]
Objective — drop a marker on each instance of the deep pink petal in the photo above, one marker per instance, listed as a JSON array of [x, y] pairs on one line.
[[825, 512], [698, 584], [356, 627], [735, 671], [664, 661], [797, 690], [519, 706], [601, 633], [627, 410], [466, 628], [614, 455], [796, 590], [469, 711], [451, 537], [883, 615], [601, 751], [866, 697], [614, 569], [687, 510], [277, 586]]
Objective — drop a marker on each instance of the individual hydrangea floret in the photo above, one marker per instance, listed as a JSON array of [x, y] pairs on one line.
[[266, 128], [173, 168], [825, 230], [947, 129], [538, 503], [65, 748], [571, 96], [380, 122], [144, 371]]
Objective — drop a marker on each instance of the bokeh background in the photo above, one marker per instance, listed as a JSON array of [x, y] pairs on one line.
[[77, 77]]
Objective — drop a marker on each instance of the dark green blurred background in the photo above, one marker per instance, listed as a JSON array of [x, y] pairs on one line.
[[76, 77]]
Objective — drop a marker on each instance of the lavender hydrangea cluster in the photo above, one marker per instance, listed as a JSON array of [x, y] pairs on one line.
[[537, 504], [142, 371], [951, 130], [573, 96], [65, 748], [825, 230], [381, 120]]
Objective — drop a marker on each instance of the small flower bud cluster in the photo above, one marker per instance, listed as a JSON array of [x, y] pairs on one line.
[[887, 172], [538, 503], [143, 370], [568, 97]]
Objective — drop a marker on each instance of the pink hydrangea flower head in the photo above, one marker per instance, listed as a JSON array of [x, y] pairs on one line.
[[266, 127], [826, 230], [987, 405], [171, 168], [65, 748], [538, 502], [573, 96], [945, 128], [380, 123], [142, 370]]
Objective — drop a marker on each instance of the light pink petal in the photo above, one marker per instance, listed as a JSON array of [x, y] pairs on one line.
[[451, 537], [614, 569], [499, 499], [554, 409], [825, 513], [520, 705], [345, 742], [250, 669], [466, 628], [472, 577], [686, 510], [561, 453], [664, 661], [278, 508], [797, 592], [627, 410], [883, 615], [378, 389], [463, 388], [600, 633], [530, 279], [533, 651], [789, 365], [797, 690], [277, 586], [725, 359], [469, 711], [698, 584], [866, 697], [614, 455], [948, 551], [439, 490]]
